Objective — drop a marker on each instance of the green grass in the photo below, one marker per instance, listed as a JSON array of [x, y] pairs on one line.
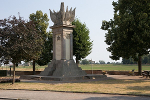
[[107, 67], [26, 68], [114, 67]]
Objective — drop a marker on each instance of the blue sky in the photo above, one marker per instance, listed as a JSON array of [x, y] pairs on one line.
[[92, 13]]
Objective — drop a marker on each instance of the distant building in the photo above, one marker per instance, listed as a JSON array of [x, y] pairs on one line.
[[91, 62]]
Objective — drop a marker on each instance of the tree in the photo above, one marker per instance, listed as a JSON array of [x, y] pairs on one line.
[[19, 41], [128, 61], [108, 62], [41, 21], [128, 32], [101, 62], [145, 60], [148, 59], [85, 61], [82, 45], [47, 54]]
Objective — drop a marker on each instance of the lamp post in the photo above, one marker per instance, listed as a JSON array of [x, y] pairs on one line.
[[92, 66]]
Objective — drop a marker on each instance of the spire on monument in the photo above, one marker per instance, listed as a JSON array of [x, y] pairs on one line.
[[62, 17]]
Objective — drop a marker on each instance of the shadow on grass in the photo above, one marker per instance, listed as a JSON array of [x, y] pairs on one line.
[[147, 88], [89, 81], [117, 98], [115, 81]]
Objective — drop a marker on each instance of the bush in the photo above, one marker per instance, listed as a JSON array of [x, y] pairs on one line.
[[3, 72]]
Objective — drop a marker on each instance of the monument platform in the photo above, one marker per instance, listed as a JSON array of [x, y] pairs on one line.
[[71, 78]]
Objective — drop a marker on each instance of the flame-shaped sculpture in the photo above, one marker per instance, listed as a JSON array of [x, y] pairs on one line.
[[62, 17]]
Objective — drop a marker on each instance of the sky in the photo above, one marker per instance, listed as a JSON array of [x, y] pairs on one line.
[[92, 13]]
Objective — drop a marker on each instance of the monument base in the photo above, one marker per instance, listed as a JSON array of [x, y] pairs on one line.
[[70, 78], [63, 68]]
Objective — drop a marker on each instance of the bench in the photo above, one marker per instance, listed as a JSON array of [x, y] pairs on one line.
[[146, 73]]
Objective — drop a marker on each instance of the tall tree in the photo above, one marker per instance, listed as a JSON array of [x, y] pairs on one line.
[[82, 45], [41, 21], [20, 41], [47, 54], [128, 32]]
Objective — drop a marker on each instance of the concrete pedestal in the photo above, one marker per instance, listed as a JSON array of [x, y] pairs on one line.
[[63, 68], [65, 79]]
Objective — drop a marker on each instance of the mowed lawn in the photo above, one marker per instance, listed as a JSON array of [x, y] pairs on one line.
[[106, 67], [114, 67], [25, 68]]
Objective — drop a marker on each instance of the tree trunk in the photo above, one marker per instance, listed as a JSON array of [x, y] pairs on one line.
[[139, 66], [13, 81], [77, 61], [33, 67]]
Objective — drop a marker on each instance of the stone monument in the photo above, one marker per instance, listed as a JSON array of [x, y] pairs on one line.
[[63, 66]]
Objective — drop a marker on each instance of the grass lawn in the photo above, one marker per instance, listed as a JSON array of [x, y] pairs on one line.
[[133, 87], [108, 67], [114, 67], [25, 68]]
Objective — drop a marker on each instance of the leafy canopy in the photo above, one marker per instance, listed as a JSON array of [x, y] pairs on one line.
[[82, 45], [41, 21], [47, 54], [19, 40], [128, 33]]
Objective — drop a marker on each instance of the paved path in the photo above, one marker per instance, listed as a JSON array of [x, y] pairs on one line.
[[47, 95]]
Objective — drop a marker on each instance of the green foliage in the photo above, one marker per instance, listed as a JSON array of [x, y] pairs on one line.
[[19, 40], [41, 21], [84, 61], [82, 45], [46, 55], [145, 60], [128, 33], [101, 62], [108, 62], [129, 61], [3, 72]]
